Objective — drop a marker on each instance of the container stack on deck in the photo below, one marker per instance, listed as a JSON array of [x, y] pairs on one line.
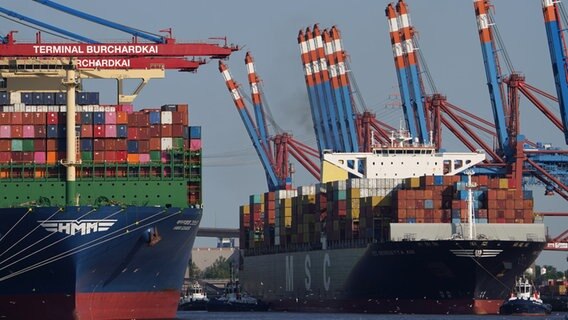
[[113, 141], [362, 209]]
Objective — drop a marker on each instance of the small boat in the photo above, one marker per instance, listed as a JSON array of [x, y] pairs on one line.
[[525, 300], [195, 298], [233, 299]]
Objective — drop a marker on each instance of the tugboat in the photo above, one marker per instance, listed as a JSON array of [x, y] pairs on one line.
[[194, 299], [233, 299], [525, 301]]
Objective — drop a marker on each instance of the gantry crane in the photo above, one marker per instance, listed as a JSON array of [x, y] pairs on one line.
[[275, 160], [120, 61]]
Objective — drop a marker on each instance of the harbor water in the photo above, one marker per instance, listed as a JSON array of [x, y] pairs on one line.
[[203, 315]]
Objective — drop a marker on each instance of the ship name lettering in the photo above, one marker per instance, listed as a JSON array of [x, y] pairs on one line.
[[307, 266], [289, 273], [186, 222], [326, 278]]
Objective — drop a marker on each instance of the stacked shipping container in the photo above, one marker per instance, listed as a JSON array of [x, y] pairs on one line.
[[362, 209], [113, 141]]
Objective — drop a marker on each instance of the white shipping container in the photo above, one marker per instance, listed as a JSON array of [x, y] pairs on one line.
[[15, 97], [166, 117], [167, 143], [62, 108]]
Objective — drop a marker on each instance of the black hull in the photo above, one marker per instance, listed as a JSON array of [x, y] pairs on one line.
[[525, 307], [444, 276], [216, 305]]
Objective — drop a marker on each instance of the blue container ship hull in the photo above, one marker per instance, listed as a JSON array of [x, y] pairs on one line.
[[107, 262]]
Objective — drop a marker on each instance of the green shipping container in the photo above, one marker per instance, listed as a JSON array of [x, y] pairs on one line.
[[17, 145], [87, 156], [28, 145]]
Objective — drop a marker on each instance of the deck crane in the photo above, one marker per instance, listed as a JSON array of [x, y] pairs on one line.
[[557, 48], [407, 39]]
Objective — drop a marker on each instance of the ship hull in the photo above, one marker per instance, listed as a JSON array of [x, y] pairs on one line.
[[84, 262], [441, 276]]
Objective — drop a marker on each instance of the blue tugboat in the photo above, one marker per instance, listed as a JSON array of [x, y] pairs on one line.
[[525, 301]]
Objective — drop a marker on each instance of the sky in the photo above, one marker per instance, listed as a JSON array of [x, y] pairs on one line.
[[448, 40]]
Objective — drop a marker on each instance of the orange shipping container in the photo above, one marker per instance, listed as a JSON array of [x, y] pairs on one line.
[[51, 156]]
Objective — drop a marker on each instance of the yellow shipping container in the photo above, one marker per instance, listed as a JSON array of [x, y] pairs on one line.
[[354, 193], [354, 204], [288, 202], [288, 221], [245, 209], [415, 183], [355, 212], [375, 200], [503, 183]]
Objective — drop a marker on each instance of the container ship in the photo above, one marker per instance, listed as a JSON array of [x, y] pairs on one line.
[[100, 206], [401, 229]]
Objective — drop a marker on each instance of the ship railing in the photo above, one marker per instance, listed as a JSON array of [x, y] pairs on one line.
[[310, 246]]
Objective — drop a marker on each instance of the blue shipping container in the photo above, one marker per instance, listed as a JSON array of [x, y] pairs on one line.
[[49, 98], [4, 98], [132, 146], [37, 98], [61, 98], [81, 98], [92, 98], [195, 132], [26, 97], [86, 117], [121, 131], [98, 117], [86, 145], [155, 117]]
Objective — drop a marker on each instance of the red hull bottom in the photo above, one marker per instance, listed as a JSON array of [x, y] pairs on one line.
[[425, 306], [92, 306]]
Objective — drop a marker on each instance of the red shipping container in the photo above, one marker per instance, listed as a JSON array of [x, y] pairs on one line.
[[177, 118], [177, 130], [39, 118], [110, 144], [99, 131], [98, 144], [143, 146], [27, 118], [155, 131], [17, 156], [143, 133], [5, 145], [5, 156], [121, 145], [5, 118], [39, 145], [16, 118], [110, 156], [110, 117], [121, 156], [16, 131], [155, 144], [51, 145], [166, 130], [143, 119], [99, 156], [52, 118], [86, 131], [182, 108], [39, 131]]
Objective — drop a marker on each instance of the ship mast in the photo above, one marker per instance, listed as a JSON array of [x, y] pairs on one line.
[[470, 208], [71, 189]]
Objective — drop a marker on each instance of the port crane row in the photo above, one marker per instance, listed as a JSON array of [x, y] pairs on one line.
[[341, 127], [338, 123]]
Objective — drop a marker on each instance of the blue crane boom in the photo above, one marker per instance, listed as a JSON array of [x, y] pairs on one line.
[[556, 46], [273, 182], [492, 74], [45, 26], [257, 102], [104, 22], [401, 70]]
